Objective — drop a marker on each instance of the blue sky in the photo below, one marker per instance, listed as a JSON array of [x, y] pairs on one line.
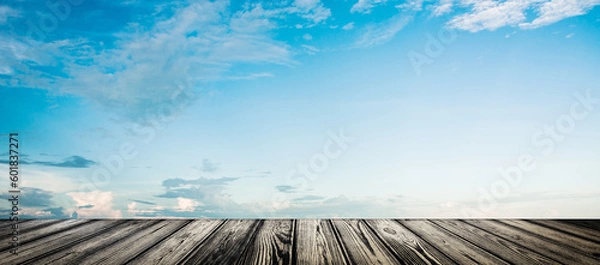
[[305, 108]]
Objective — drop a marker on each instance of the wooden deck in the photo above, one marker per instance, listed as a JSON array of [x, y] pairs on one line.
[[296, 242]]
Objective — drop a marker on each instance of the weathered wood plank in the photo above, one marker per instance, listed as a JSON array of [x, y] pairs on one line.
[[227, 244], [27, 227], [570, 242], [407, 246], [45, 229], [315, 243], [582, 232], [361, 245], [174, 249], [73, 254], [591, 224], [509, 251], [542, 246], [272, 245], [456, 248], [6, 224], [63, 239], [302, 242], [122, 251]]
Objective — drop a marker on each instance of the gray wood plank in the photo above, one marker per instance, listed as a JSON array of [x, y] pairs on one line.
[[509, 251], [315, 243], [541, 245], [73, 254], [407, 246], [570, 242], [456, 248], [175, 248], [122, 251], [27, 227], [582, 232], [591, 224], [45, 229], [66, 238], [302, 242], [227, 244], [6, 224], [361, 245], [272, 245]]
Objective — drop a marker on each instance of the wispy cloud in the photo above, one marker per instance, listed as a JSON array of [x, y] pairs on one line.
[[309, 198], [383, 32], [208, 166], [443, 7], [365, 6], [143, 202], [348, 26], [69, 162], [6, 12], [491, 14], [557, 10], [286, 188], [198, 43]]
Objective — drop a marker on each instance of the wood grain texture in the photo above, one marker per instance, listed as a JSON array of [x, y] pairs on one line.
[[175, 248], [591, 224], [498, 246], [6, 224], [542, 246], [272, 244], [361, 245], [573, 243], [227, 244], [83, 250], [30, 230], [303, 242], [121, 251], [407, 247], [582, 232], [63, 239], [315, 243], [457, 248]]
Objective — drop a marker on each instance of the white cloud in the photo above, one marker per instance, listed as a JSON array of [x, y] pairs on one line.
[[385, 31], [311, 10], [6, 12], [348, 26], [416, 5], [310, 49], [493, 14], [365, 6], [102, 204], [556, 10], [133, 209], [141, 73], [186, 205], [199, 43], [307, 36], [443, 7], [250, 76]]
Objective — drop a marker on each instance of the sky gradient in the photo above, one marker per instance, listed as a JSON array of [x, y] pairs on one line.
[[304, 108]]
